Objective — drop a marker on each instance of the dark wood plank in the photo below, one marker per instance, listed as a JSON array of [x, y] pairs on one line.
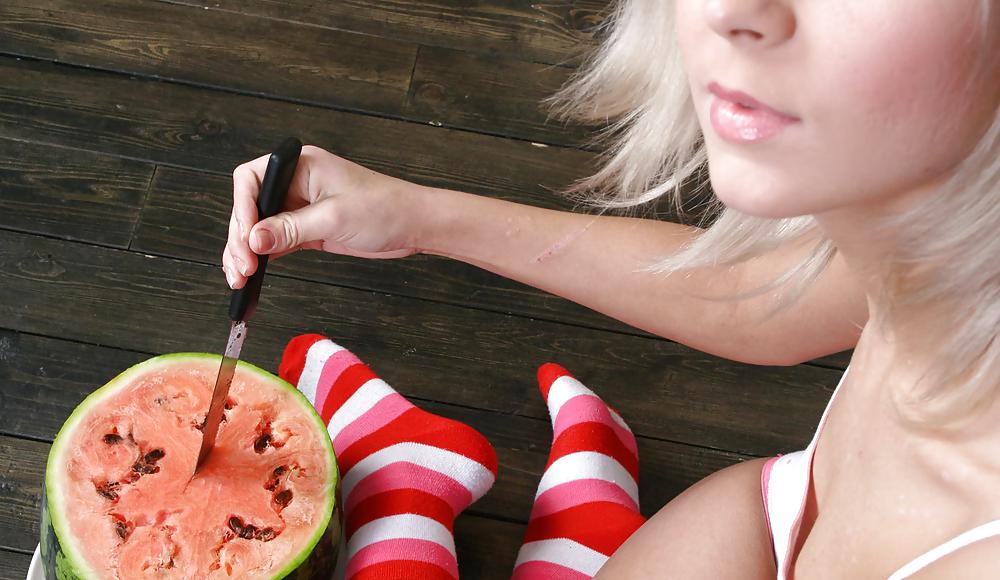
[[548, 31], [244, 53], [488, 93], [22, 470], [486, 547], [71, 194], [330, 68], [461, 356], [202, 129], [13, 565], [45, 378]]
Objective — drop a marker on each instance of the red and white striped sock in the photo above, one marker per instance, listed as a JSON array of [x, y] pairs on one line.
[[406, 473], [587, 503]]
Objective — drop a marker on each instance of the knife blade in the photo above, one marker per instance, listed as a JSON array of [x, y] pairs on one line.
[[243, 302], [237, 333]]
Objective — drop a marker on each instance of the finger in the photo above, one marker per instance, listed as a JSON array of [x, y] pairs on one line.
[[233, 278], [246, 187], [244, 259], [291, 229]]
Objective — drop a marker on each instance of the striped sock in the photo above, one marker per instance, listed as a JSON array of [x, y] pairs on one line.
[[406, 474], [587, 503]]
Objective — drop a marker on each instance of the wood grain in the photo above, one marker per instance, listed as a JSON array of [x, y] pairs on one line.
[[548, 31], [486, 548], [76, 195], [13, 565], [455, 355], [22, 470], [257, 55], [485, 92], [329, 68], [43, 379], [209, 130]]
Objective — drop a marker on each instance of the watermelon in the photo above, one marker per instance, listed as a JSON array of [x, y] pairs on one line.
[[120, 499]]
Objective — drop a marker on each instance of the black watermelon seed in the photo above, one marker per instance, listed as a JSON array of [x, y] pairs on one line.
[[108, 490], [266, 535], [283, 498], [248, 532], [122, 529], [113, 439], [271, 485], [280, 470], [261, 443], [153, 456], [236, 525], [144, 468]]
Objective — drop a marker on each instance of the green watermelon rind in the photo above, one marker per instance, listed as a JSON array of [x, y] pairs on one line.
[[72, 563]]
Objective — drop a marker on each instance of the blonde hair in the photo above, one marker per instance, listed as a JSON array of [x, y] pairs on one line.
[[652, 145]]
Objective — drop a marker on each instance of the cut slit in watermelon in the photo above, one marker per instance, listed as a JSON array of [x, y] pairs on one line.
[[121, 501]]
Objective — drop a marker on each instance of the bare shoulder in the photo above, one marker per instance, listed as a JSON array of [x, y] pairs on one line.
[[715, 529], [978, 560]]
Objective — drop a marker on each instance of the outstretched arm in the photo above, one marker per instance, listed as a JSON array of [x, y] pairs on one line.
[[598, 261]]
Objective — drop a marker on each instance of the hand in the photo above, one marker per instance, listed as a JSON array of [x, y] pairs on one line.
[[332, 205]]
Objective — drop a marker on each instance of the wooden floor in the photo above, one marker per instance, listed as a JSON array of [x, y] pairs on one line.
[[120, 122]]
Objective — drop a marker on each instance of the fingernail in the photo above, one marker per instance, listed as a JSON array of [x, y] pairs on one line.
[[264, 240], [241, 265], [229, 276]]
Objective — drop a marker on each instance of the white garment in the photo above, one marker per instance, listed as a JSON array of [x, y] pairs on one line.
[[784, 485]]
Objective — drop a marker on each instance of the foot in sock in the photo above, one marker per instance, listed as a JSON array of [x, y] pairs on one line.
[[587, 503], [406, 473]]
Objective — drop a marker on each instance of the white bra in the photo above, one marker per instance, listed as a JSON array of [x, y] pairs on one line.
[[788, 485]]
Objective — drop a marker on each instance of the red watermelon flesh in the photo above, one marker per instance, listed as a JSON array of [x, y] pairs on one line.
[[120, 487]]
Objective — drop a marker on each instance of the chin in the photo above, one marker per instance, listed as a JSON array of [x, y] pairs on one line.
[[759, 192]]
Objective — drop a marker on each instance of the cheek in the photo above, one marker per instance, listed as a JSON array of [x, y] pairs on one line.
[[689, 26], [905, 85]]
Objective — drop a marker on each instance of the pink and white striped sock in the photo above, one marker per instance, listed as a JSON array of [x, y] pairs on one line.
[[406, 473], [587, 503]]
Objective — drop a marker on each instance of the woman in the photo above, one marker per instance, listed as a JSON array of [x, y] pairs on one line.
[[855, 146]]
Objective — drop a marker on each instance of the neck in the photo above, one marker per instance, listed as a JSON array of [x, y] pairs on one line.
[[896, 348]]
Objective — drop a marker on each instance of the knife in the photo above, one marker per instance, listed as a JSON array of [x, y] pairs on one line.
[[243, 303]]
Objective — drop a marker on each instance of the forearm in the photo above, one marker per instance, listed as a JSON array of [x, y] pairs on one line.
[[599, 262]]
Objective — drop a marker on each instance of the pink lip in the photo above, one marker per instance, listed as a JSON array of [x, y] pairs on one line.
[[740, 118]]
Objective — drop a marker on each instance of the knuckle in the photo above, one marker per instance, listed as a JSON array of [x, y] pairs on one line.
[[289, 231]]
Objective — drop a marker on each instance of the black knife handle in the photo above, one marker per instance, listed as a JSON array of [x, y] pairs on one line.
[[273, 189]]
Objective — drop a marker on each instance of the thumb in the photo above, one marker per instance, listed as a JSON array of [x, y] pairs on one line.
[[289, 230]]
